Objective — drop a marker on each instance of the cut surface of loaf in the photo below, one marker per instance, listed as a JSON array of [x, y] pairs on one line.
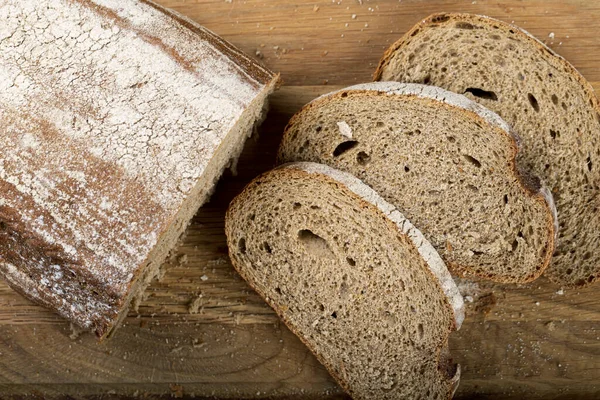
[[541, 95], [446, 162], [351, 277], [117, 118]]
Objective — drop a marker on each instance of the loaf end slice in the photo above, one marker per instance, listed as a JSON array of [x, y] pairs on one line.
[[447, 162], [543, 97], [118, 119], [351, 277]]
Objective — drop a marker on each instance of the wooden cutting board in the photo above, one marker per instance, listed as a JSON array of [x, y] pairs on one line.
[[203, 333]]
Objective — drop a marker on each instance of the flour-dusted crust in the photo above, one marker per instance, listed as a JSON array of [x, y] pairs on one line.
[[112, 111], [434, 93], [426, 250]]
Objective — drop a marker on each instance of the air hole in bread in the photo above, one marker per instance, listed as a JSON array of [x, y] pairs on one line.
[[464, 25], [427, 79], [321, 307], [505, 199], [363, 158], [420, 331], [472, 160], [554, 99], [296, 206], [473, 188], [315, 244], [482, 94], [515, 244], [278, 290], [315, 207], [304, 146], [345, 94], [2, 225], [569, 271], [553, 133], [351, 261], [451, 139], [587, 255], [334, 314], [477, 253], [319, 128], [533, 101], [589, 163], [380, 124], [251, 217], [267, 248], [406, 168], [242, 245], [344, 147]]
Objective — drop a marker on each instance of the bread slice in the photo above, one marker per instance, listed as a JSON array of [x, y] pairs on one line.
[[547, 102], [117, 118], [359, 285], [446, 162]]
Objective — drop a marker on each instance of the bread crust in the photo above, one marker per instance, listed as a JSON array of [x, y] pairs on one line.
[[250, 66], [83, 211], [531, 185], [294, 170]]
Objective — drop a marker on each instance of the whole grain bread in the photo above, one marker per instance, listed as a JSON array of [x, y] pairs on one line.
[[117, 117], [543, 97], [446, 162], [352, 277]]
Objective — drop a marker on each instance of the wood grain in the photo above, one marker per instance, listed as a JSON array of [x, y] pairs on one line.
[[203, 333]]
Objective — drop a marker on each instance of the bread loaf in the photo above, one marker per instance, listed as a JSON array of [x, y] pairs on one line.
[[118, 118], [359, 285], [446, 162], [543, 97]]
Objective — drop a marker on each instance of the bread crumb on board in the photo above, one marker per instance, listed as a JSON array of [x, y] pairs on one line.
[[195, 305]]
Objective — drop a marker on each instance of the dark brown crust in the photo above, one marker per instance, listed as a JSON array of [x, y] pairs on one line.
[[248, 64], [528, 183], [364, 204]]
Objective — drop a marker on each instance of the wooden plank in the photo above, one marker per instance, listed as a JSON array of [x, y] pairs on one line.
[[202, 332]]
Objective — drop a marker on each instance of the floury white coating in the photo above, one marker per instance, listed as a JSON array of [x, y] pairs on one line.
[[429, 92], [111, 112]]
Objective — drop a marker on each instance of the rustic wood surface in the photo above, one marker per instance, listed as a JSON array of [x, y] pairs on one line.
[[203, 333]]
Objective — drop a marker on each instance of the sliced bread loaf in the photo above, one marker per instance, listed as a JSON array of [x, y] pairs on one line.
[[117, 119], [446, 162], [359, 285], [541, 95]]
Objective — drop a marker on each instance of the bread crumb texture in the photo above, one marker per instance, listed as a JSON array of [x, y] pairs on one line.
[[351, 277], [546, 101]]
